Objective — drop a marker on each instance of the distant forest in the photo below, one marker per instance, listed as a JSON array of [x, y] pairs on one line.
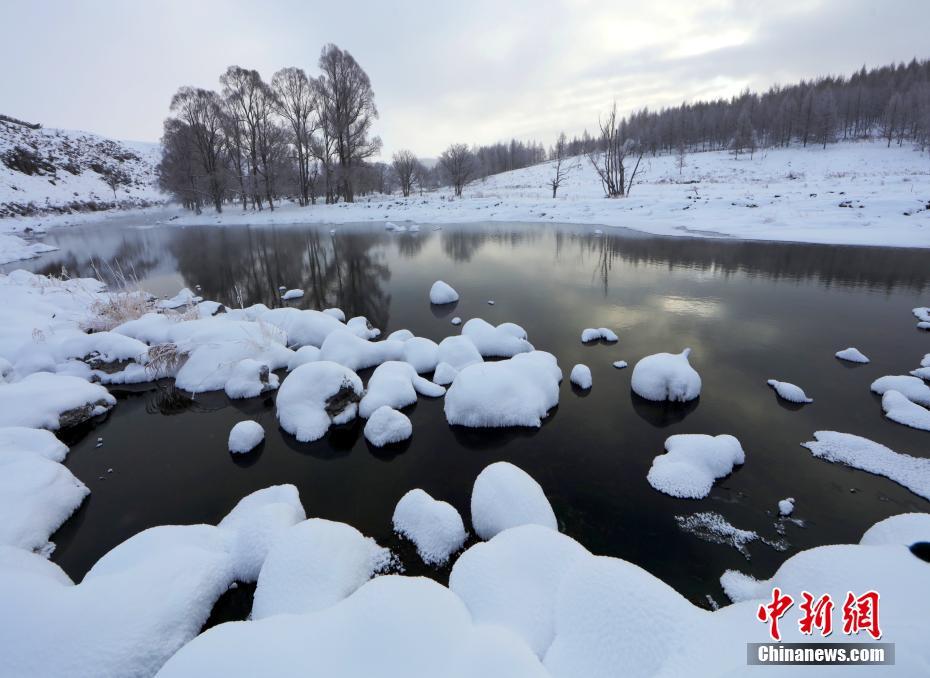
[[308, 138]]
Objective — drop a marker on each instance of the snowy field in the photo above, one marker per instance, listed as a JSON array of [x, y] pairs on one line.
[[849, 193]]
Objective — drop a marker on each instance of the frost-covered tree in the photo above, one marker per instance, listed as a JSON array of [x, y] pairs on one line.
[[458, 166]]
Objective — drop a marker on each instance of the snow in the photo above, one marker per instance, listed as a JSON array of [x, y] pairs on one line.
[[360, 326], [922, 313], [434, 526], [713, 528], [183, 298], [866, 455], [304, 354], [513, 580], [302, 327], [316, 395], [515, 392], [454, 355], [214, 363], [249, 379], [13, 248], [806, 181], [505, 496], [692, 463], [395, 384], [400, 335], [421, 353], [37, 493], [789, 392], [336, 313], [386, 426], [922, 372], [313, 565], [901, 410], [245, 436], [581, 376], [619, 364], [853, 355], [356, 353], [593, 334], [904, 529], [504, 341], [141, 602], [292, 294], [442, 293], [393, 626], [912, 388], [786, 506], [456, 321], [43, 400], [666, 376]]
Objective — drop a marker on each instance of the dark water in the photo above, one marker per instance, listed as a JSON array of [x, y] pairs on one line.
[[749, 311]]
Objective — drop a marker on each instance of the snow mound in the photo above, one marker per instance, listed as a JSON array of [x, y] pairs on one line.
[[901, 410], [921, 372], [515, 392], [302, 327], [396, 385], [505, 496], [786, 506], [912, 388], [421, 353], [581, 376], [392, 627], [249, 379], [356, 353], [336, 313], [789, 392], [456, 320], [666, 376], [442, 293], [37, 493], [313, 565], [454, 355], [504, 341], [386, 426], [594, 333], [866, 455], [183, 298], [922, 314], [360, 326], [904, 529], [513, 580], [304, 354], [853, 355], [245, 436], [14, 248], [400, 335], [316, 395], [292, 294], [52, 401], [434, 526], [693, 462]]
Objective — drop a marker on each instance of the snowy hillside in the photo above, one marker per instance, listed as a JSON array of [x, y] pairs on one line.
[[858, 193], [51, 171]]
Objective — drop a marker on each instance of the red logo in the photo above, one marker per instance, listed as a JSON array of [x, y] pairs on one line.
[[859, 613]]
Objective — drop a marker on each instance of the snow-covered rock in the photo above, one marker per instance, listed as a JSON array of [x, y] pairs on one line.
[[316, 395], [302, 327], [693, 462], [442, 293], [336, 313], [400, 335], [292, 294], [52, 401], [421, 353], [594, 333], [789, 392], [898, 408], [904, 529], [313, 565], [866, 455], [456, 320], [360, 326], [786, 506], [395, 384], [853, 355], [922, 313], [183, 298], [454, 355], [666, 376], [37, 493], [504, 341], [386, 426], [249, 379], [245, 436], [619, 364], [515, 392], [581, 376], [434, 526], [304, 354], [513, 580], [505, 496], [912, 388], [356, 353]]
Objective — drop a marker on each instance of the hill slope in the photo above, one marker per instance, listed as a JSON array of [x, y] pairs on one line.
[[53, 171]]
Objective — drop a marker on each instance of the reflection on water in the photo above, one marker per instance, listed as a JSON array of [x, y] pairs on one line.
[[749, 311]]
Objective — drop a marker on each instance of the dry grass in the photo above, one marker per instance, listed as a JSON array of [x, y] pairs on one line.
[[164, 360]]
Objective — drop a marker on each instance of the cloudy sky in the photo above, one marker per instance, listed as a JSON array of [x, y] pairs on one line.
[[475, 71]]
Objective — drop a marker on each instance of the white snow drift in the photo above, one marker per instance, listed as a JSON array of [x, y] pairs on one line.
[[898, 408], [693, 462], [912, 388], [434, 526]]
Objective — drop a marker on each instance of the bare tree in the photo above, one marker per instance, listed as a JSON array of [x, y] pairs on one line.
[[242, 92], [608, 157], [348, 104], [296, 98], [562, 164], [458, 165], [202, 111], [680, 152], [405, 166]]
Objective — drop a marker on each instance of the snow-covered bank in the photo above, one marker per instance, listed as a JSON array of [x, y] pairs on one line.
[[849, 193]]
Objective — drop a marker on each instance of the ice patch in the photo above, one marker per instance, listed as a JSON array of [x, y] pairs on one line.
[[434, 526], [505, 496], [714, 528], [666, 376], [693, 462]]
